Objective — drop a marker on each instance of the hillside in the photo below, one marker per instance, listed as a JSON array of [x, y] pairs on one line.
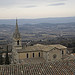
[[39, 31]]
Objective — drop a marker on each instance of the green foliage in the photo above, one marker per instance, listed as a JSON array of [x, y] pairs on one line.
[[7, 62], [1, 59]]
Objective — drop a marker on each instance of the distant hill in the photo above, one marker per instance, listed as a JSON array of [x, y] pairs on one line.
[[40, 20], [38, 31]]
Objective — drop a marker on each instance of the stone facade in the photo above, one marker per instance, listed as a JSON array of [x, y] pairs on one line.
[[48, 52], [54, 55], [15, 57], [16, 45], [25, 55], [17, 38]]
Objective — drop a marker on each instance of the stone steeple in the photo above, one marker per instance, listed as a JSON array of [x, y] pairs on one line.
[[16, 34], [16, 45], [17, 38]]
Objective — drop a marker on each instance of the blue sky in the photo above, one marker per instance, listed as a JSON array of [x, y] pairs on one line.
[[10, 9]]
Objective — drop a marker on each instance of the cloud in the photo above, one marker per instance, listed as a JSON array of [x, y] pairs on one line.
[[56, 4], [8, 3], [29, 6]]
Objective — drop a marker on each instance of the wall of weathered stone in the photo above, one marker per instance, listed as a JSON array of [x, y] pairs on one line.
[[45, 55], [65, 51], [30, 55], [54, 55]]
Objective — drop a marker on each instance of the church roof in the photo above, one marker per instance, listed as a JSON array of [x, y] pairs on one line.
[[16, 34], [40, 47]]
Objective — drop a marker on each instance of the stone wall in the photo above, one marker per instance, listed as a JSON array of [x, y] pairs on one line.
[[30, 55], [54, 55]]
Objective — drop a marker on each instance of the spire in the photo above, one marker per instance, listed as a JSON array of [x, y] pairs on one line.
[[16, 34], [16, 30]]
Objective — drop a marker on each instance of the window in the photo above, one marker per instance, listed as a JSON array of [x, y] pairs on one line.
[[62, 52], [27, 55], [33, 55], [54, 56], [18, 42], [39, 54]]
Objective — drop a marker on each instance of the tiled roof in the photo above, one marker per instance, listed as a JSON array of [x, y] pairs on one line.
[[51, 68], [42, 47], [33, 60]]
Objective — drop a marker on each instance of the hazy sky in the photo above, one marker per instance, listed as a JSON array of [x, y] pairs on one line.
[[36, 8]]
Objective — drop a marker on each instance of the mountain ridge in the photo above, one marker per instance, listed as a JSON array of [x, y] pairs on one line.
[[39, 20]]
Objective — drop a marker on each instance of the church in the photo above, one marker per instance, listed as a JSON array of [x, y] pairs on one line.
[[36, 53]]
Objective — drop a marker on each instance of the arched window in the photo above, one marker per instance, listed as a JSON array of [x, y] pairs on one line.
[[18, 42], [62, 52], [39, 54], [27, 55], [33, 55]]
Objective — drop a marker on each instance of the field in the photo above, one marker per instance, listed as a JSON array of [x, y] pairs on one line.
[[41, 31]]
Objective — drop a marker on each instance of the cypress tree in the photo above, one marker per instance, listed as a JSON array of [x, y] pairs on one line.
[[1, 59], [7, 58]]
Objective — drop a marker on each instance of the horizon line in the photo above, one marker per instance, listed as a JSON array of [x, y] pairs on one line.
[[37, 18]]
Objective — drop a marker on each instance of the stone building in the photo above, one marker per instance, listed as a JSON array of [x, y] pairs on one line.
[[36, 52]]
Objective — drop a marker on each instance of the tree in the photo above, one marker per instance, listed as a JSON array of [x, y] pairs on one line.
[[7, 58], [1, 59]]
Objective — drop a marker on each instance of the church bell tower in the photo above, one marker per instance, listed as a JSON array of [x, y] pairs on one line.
[[17, 38]]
